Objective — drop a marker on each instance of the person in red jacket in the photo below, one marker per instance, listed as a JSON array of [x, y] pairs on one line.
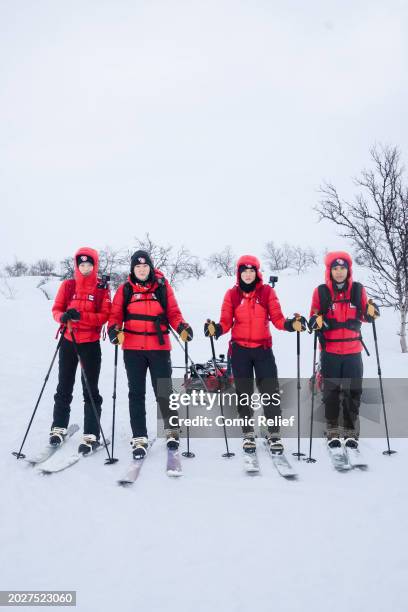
[[247, 310], [142, 310], [339, 306], [83, 305]]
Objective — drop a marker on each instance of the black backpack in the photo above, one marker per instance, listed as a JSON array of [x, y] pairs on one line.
[[354, 324], [160, 295], [326, 301]]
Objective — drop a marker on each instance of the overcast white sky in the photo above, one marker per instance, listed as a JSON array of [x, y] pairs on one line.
[[205, 123]]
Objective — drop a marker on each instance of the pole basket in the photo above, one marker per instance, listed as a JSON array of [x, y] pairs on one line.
[[18, 455], [111, 460]]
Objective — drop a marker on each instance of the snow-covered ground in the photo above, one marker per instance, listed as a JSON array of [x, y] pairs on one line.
[[214, 539]]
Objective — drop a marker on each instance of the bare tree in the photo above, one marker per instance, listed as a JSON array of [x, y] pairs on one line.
[[289, 257], [110, 260], [43, 267], [115, 264], [223, 262], [18, 268], [376, 222], [182, 266], [194, 268], [277, 258], [6, 289], [67, 268], [302, 259], [161, 255]]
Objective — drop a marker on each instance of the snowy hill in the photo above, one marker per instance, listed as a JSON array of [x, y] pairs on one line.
[[214, 539]]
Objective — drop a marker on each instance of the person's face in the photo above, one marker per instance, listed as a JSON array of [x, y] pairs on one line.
[[141, 271], [248, 276], [339, 274], [85, 268]]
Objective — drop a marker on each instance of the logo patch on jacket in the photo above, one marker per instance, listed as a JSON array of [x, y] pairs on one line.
[[91, 298]]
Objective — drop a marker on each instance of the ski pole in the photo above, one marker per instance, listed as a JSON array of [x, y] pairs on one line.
[[88, 388], [187, 453], [19, 454], [388, 451], [115, 376], [228, 453], [298, 454], [309, 459], [193, 365]]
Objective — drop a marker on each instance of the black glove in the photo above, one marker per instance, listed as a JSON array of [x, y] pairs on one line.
[[296, 323], [317, 322], [212, 329], [70, 315], [116, 336], [372, 312], [185, 332]]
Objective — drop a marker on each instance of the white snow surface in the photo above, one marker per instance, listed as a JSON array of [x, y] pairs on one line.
[[214, 539]]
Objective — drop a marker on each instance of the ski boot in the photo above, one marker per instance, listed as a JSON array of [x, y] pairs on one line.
[[172, 439], [57, 435], [139, 447], [248, 443], [274, 443], [88, 445], [333, 436], [351, 442]]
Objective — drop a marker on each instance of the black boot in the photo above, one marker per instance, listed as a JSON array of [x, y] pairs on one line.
[[172, 439], [57, 435], [89, 444], [139, 447]]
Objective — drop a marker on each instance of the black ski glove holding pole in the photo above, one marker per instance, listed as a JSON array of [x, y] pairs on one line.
[[185, 332], [72, 314], [212, 329], [297, 323]]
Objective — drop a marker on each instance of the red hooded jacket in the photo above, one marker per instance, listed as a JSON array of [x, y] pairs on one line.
[[341, 311], [249, 321], [143, 302], [88, 328]]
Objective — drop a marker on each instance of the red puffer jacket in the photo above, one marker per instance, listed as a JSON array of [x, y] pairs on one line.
[[94, 304], [341, 311], [249, 320], [142, 335]]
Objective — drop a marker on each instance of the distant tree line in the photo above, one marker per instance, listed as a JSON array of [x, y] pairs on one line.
[[177, 265]]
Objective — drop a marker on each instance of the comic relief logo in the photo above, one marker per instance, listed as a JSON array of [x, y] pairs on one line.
[[141, 260], [341, 262], [84, 257]]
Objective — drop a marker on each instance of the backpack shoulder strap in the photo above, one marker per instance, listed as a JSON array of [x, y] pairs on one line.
[[355, 296], [127, 296], [161, 292], [325, 298]]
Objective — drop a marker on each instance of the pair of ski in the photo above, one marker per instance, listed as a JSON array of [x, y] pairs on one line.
[[345, 458], [279, 460], [49, 461], [173, 467]]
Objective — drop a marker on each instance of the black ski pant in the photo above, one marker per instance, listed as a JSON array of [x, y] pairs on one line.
[[90, 353], [342, 385], [246, 361], [158, 362]]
